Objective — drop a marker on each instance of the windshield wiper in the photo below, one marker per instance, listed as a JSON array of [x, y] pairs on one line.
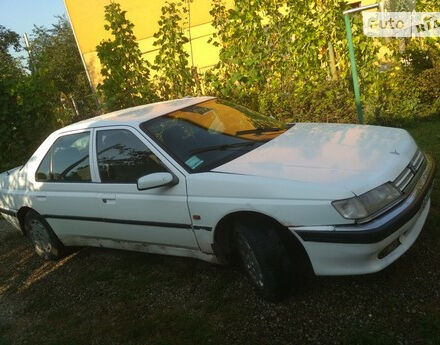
[[221, 147], [259, 130]]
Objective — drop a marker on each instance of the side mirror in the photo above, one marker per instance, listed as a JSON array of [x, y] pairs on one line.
[[157, 180]]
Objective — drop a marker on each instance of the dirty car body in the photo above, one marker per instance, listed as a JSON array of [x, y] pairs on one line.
[[173, 177]]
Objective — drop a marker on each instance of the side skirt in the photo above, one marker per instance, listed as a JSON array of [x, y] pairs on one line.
[[139, 247]]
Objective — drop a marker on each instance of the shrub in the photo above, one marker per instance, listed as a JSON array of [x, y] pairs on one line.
[[126, 74], [410, 90], [274, 58], [175, 79]]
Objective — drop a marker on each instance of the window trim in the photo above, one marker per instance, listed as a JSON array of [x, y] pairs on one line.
[[51, 158], [94, 158], [142, 139]]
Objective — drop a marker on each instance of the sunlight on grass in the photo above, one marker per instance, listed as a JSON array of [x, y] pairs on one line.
[[45, 269]]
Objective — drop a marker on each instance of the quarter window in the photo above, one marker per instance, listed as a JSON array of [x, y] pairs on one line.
[[123, 158], [67, 160], [43, 173]]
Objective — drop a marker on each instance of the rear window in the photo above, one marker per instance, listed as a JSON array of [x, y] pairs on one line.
[[67, 160]]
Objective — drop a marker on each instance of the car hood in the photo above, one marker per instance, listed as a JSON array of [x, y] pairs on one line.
[[352, 158]]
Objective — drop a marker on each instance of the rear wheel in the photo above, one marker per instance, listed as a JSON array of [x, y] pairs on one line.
[[46, 243], [265, 259]]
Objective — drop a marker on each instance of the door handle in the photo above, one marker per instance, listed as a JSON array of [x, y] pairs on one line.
[[41, 197], [108, 198]]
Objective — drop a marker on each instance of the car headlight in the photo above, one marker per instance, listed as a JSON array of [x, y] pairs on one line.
[[369, 203]]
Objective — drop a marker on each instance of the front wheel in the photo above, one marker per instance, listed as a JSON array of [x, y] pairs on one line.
[[46, 243], [265, 259]]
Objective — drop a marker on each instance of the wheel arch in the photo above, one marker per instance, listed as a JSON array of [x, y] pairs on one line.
[[21, 215], [223, 245]]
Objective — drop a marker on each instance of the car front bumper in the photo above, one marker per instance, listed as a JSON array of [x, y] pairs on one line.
[[370, 247]]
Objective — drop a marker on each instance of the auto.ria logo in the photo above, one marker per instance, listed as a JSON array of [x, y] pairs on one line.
[[401, 24]]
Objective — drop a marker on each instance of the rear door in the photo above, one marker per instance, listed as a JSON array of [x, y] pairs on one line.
[[62, 190]]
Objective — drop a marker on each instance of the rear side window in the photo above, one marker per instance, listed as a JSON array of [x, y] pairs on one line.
[[67, 160], [123, 158]]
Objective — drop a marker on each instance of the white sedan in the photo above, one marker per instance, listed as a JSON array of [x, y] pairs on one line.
[[204, 178]]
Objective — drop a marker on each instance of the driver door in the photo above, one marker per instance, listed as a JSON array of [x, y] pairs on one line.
[[157, 216]]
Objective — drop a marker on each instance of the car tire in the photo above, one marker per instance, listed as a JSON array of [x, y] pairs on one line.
[[45, 242], [265, 259]]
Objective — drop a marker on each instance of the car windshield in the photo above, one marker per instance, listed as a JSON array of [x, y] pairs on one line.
[[209, 134]]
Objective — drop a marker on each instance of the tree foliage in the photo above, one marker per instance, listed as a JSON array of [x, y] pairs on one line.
[[287, 58], [9, 66], [8, 39], [25, 106], [37, 98], [274, 54], [125, 73], [56, 60], [174, 76]]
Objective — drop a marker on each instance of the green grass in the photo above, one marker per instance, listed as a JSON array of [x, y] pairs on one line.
[[427, 136], [429, 327], [4, 329], [369, 337]]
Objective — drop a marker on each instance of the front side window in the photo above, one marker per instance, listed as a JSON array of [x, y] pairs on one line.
[[206, 135], [123, 158], [67, 160]]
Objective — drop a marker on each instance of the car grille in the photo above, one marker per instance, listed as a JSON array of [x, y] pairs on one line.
[[407, 175]]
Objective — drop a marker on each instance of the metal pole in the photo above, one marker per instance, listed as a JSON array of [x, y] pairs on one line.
[[357, 92], [189, 33], [29, 51], [26, 42]]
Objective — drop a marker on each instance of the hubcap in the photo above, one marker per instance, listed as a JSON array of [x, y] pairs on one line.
[[250, 261], [39, 237]]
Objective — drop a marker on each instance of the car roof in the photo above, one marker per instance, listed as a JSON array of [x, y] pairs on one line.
[[135, 115]]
